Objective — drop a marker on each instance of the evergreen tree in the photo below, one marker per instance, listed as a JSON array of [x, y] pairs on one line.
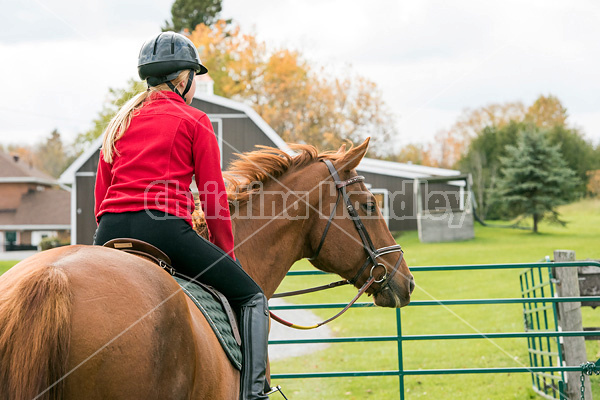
[[301, 103], [186, 14], [483, 162], [534, 178]]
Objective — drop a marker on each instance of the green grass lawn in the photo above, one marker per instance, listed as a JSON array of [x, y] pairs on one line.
[[491, 245], [5, 265]]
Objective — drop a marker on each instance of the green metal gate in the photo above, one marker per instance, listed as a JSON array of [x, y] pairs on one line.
[[540, 329], [540, 318]]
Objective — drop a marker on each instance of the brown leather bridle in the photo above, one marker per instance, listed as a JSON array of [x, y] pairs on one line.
[[372, 253]]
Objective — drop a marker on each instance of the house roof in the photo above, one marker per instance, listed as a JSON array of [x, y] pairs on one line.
[[13, 169], [48, 208], [390, 168]]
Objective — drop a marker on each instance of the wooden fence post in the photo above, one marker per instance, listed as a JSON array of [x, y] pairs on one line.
[[569, 319]]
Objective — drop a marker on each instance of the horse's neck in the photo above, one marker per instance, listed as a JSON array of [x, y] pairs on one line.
[[268, 247], [267, 252]]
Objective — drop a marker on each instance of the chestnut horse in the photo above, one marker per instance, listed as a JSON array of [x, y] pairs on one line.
[[87, 322]]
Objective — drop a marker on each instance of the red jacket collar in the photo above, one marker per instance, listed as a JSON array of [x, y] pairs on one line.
[[165, 95]]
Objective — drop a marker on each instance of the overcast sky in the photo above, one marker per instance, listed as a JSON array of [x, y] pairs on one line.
[[431, 59]]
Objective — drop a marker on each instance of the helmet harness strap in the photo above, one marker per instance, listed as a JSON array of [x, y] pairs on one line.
[[187, 86], [173, 88], [189, 83]]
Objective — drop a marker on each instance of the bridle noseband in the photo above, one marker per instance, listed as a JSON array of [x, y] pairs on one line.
[[372, 253]]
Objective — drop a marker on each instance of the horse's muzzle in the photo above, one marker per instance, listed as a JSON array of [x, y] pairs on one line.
[[396, 293]]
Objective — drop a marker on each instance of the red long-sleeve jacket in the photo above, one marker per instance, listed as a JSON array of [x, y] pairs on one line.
[[166, 144]]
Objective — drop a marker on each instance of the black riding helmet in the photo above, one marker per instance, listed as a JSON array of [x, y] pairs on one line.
[[164, 56]]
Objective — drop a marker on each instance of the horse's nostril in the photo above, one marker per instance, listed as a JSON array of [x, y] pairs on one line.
[[411, 284]]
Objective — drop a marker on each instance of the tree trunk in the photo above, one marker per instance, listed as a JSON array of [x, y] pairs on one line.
[[535, 223]]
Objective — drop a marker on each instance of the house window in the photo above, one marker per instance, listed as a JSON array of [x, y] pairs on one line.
[[11, 236]]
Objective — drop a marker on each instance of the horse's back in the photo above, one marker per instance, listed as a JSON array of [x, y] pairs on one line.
[[133, 333], [130, 327]]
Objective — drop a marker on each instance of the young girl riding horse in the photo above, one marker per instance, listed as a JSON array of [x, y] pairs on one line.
[[151, 150]]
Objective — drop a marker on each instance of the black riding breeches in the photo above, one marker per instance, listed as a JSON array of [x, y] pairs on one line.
[[191, 254]]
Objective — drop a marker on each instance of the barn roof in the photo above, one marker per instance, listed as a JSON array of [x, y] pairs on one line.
[[249, 111], [389, 168], [68, 177], [402, 170]]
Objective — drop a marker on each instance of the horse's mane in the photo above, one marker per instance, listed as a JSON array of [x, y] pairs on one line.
[[268, 163]]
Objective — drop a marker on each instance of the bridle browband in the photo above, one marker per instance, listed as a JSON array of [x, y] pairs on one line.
[[372, 253]]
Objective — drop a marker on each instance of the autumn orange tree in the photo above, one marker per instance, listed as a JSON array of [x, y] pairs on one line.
[[412, 153], [547, 112], [452, 144], [302, 103]]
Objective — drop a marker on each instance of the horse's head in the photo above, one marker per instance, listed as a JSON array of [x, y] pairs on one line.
[[291, 201], [350, 237]]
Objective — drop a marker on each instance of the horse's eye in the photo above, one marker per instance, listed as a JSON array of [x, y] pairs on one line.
[[369, 207]]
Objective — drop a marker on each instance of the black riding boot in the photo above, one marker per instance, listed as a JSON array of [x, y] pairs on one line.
[[254, 324]]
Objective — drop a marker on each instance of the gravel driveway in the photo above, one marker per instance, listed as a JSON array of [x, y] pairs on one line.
[[279, 332]]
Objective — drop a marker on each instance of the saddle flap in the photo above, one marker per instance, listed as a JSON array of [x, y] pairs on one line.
[[219, 315], [139, 247]]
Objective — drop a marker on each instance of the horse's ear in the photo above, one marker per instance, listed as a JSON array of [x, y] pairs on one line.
[[342, 149], [353, 157]]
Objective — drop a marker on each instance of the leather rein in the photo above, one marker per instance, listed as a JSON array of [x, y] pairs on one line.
[[370, 250]]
